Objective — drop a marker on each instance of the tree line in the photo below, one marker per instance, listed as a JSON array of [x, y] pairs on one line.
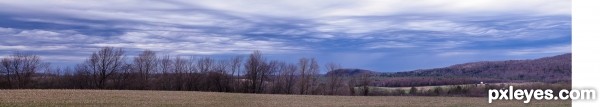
[[109, 68]]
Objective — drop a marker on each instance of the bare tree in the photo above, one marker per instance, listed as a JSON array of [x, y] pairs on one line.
[[364, 81], [304, 79], [145, 64], [352, 84], [308, 69], [236, 63], [334, 79], [181, 67], [166, 68], [82, 77], [313, 71], [102, 65], [127, 77], [256, 72], [289, 75], [5, 73], [19, 69], [52, 77], [265, 72], [217, 77], [205, 64], [278, 84], [199, 79]]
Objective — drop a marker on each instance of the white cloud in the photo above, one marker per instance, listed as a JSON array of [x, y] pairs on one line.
[[546, 24], [64, 58], [33, 48], [39, 37], [164, 41], [333, 8], [358, 28], [557, 49], [388, 44], [60, 21], [197, 43], [6, 30], [352, 25], [431, 25], [323, 36], [332, 16], [200, 13], [445, 26], [445, 45]]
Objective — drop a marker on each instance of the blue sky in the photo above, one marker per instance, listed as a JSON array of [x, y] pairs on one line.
[[380, 35]]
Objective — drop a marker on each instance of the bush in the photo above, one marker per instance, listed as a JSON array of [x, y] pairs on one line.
[[412, 91]]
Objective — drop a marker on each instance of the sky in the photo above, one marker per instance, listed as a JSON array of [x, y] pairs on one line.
[[378, 35]]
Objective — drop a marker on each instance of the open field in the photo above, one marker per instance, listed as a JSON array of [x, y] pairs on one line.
[[447, 86], [204, 99], [395, 90]]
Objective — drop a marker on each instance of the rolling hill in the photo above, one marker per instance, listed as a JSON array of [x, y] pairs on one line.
[[548, 69], [351, 72]]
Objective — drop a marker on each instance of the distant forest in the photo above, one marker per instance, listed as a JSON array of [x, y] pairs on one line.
[[555, 69], [108, 68]]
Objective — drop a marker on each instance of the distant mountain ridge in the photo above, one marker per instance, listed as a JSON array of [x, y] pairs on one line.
[[547, 69], [350, 72]]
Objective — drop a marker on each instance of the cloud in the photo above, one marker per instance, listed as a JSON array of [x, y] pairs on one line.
[[355, 19], [236, 13], [350, 25], [57, 29], [6, 30], [558, 49], [33, 48], [64, 58], [163, 41], [448, 26], [334, 8], [198, 43], [388, 44]]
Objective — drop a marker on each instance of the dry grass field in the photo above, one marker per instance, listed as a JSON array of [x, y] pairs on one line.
[[446, 87], [213, 99]]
